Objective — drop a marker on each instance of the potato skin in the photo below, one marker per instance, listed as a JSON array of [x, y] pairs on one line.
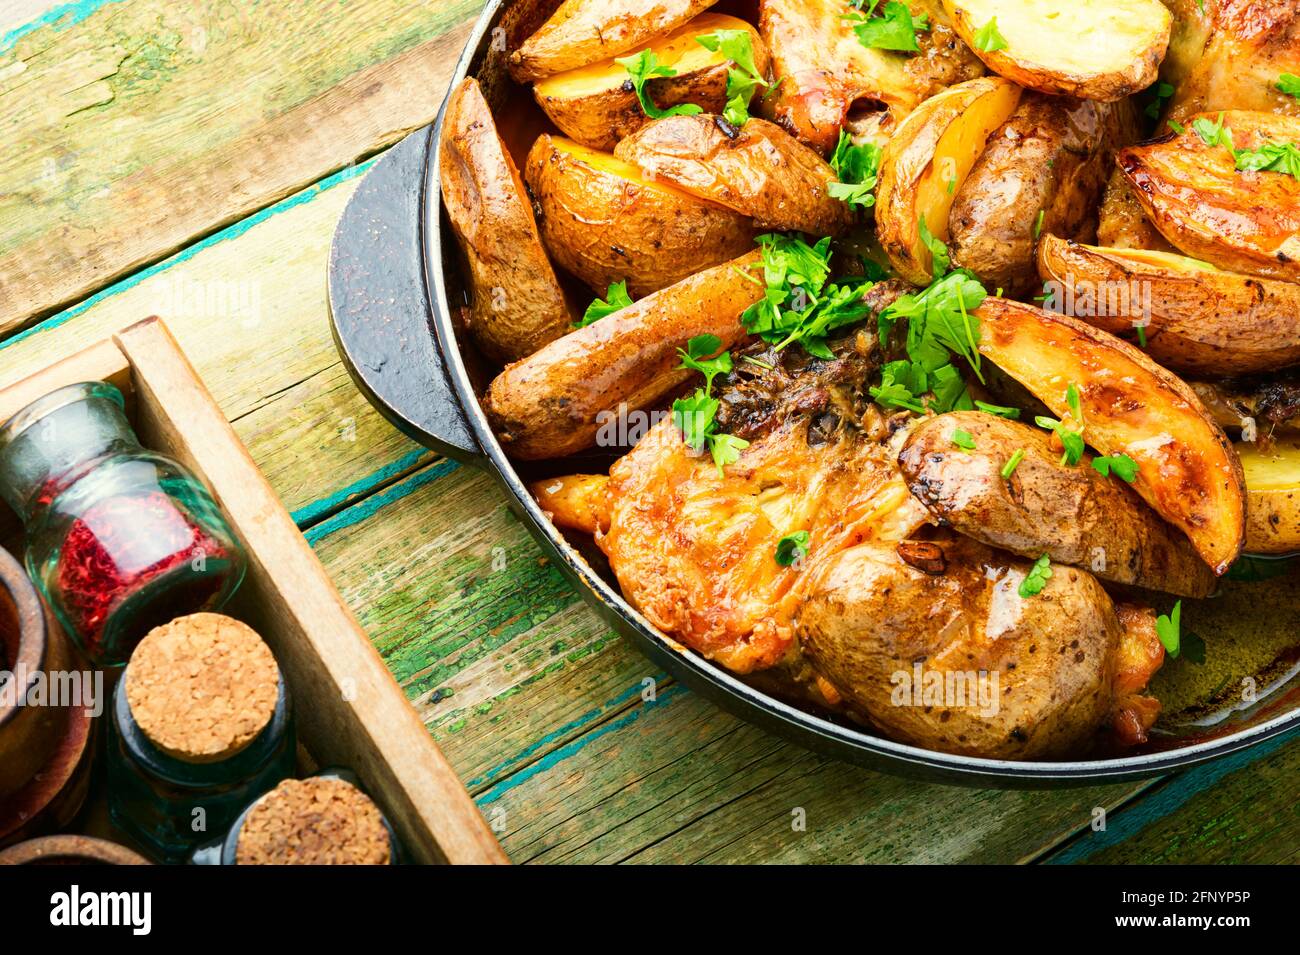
[[518, 304], [1051, 157], [1272, 496], [1201, 321], [758, 170], [1040, 64], [825, 75], [873, 617], [601, 118], [548, 405], [1187, 470], [605, 228], [1244, 221], [582, 32], [1072, 514]]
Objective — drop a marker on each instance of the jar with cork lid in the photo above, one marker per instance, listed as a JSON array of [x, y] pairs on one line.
[[119, 539], [325, 819], [201, 725]]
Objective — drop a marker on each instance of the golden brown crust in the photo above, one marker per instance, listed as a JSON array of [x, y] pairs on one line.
[[758, 170], [553, 403], [826, 75], [317, 821], [582, 32], [1041, 173], [202, 687], [605, 223], [1186, 468], [1242, 220], [1071, 513], [518, 305], [1199, 321]]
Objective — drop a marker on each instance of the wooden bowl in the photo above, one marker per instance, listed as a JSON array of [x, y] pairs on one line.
[[70, 850]]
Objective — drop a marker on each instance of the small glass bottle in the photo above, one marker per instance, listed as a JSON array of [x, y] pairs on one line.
[[201, 726], [119, 539], [342, 826]]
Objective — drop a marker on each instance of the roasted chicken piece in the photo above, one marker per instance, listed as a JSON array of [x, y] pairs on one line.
[[826, 79]]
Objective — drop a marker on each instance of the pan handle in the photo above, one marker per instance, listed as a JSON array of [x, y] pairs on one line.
[[379, 307]]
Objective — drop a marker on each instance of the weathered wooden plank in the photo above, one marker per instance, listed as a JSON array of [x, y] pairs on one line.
[[145, 124], [1240, 809]]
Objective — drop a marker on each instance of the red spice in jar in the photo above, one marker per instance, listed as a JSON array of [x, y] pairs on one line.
[[121, 545]]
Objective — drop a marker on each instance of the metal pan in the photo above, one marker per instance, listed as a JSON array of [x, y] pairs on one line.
[[394, 288]]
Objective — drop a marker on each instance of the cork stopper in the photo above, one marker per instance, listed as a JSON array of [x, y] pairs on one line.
[[202, 687], [317, 821]]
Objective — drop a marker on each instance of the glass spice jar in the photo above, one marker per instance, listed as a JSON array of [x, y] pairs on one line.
[[119, 539]]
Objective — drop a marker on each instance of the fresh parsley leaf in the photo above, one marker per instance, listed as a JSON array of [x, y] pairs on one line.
[[1071, 441], [1002, 411], [1289, 84], [1072, 400], [1271, 157], [1038, 224], [616, 298], [644, 67], [726, 449], [1013, 462], [963, 439], [693, 416], [938, 251], [856, 168], [894, 29], [1037, 577], [988, 39], [1167, 629], [1177, 127], [743, 78], [792, 547], [1163, 92], [1121, 465], [1212, 134], [693, 357]]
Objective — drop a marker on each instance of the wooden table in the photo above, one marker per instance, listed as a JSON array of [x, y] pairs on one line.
[[190, 158]]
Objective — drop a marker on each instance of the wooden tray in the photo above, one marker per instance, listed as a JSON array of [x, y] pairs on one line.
[[349, 710]]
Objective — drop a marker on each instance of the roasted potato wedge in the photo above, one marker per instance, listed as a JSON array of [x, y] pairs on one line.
[[1043, 171], [605, 222], [1121, 223], [579, 502], [551, 403], [925, 163], [1039, 673], [1187, 470], [1197, 318], [827, 80], [1073, 514], [1243, 220], [594, 105], [582, 32], [518, 304], [1272, 496], [1103, 50], [759, 170]]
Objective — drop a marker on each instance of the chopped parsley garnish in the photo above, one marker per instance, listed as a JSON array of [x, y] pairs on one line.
[[1013, 462], [1289, 84], [1212, 134], [644, 67], [1270, 157], [695, 414], [1120, 465], [988, 39], [1177, 127], [1167, 629], [1002, 411], [941, 261], [743, 78], [801, 303], [1071, 439], [1038, 223], [939, 326], [1037, 577], [894, 29], [963, 439], [855, 168], [792, 547], [1162, 95], [616, 298]]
